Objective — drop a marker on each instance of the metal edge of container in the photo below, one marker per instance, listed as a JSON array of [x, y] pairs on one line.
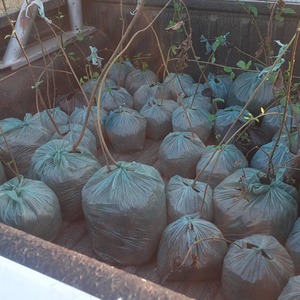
[[79, 271]]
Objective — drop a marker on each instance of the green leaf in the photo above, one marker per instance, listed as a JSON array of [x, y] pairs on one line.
[[95, 75], [227, 69], [241, 64], [213, 59], [288, 10], [173, 49], [249, 63], [215, 45], [279, 18], [37, 84], [211, 117], [218, 100], [252, 9]]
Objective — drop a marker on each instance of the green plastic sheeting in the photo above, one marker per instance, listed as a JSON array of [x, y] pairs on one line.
[[72, 132], [194, 97], [244, 86], [178, 84], [31, 206], [58, 116], [191, 249], [136, 78], [79, 114], [293, 245], [217, 162], [179, 153], [248, 203], [147, 91], [119, 71], [219, 85], [126, 130], [291, 290], [257, 267], [186, 197], [23, 138], [226, 117], [125, 210], [192, 119], [2, 174], [65, 172], [283, 162], [158, 114]]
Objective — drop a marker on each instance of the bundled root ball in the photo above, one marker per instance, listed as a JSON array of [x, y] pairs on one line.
[[125, 210], [191, 249], [31, 206]]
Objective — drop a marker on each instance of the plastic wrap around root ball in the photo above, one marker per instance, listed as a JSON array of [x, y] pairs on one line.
[[70, 101], [30, 206], [226, 117], [2, 174], [186, 197], [158, 114], [125, 211], [23, 138], [243, 88], [65, 172], [112, 98], [119, 71], [126, 130], [179, 153], [257, 267], [192, 119], [59, 117], [88, 87], [147, 91], [218, 162], [79, 114], [283, 163], [248, 139], [178, 84], [136, 78], [293, 246], [292, 290], [248, 202], [219, 86], [273, 117], [72, 132], [288, 136], [191, 249], [194, 98]]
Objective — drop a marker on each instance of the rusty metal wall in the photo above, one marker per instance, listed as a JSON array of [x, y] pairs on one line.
[[210, 18]]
